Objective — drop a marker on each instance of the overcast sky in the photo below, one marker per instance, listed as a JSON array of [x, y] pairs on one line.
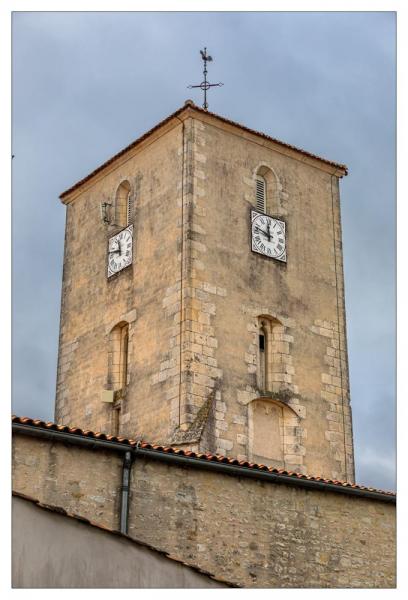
[[87, 84]]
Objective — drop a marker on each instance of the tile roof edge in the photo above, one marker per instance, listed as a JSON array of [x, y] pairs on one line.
[[165, 449], [84, 520], [190, 105]]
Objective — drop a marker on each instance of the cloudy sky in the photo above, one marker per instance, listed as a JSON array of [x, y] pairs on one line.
[[87, 84]]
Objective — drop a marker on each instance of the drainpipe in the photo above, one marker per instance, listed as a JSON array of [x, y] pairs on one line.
[[124, 492]]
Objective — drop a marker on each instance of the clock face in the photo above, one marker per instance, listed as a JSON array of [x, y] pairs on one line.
[[268, 236], [120, 250]]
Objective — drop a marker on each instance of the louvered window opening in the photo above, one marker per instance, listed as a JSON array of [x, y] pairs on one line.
[[129, 208], [261, 194]]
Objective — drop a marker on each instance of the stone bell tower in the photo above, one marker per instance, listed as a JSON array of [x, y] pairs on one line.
[[203, 298]]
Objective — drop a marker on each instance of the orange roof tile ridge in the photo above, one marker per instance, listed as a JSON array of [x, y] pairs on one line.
[[142, 444]]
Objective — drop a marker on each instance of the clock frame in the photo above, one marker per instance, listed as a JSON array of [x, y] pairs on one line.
[[269, 237], [120, 251]]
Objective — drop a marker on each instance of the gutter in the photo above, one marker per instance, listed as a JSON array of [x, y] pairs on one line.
[[132, 452]]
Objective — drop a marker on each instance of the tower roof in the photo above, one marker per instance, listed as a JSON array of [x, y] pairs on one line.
[[338, 169]]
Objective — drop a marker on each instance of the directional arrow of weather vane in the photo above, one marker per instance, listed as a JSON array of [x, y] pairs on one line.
[[205, 85]]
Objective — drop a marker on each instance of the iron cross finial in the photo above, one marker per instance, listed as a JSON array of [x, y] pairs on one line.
[[205, 85]]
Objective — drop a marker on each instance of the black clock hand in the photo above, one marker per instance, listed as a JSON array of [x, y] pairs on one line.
[[269, 231], [262, 231]]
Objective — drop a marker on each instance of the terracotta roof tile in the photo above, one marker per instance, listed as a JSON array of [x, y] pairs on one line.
[[188, 453], [190, 104]]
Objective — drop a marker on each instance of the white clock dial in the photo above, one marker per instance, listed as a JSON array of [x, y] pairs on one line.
[[120, 251], [268, 236]]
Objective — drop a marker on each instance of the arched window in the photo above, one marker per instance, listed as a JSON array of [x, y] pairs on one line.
[[118, 369], [275, 434], [266, 190], [123, 205], [118, 356], [263, 358], [269, 356]]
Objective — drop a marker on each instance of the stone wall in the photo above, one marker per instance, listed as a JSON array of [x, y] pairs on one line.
[[51, 550], [249, 532], [232, 287], [141, 295], [195, 293]]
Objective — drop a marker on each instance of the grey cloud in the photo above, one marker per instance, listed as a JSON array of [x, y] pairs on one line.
[[87, 84]]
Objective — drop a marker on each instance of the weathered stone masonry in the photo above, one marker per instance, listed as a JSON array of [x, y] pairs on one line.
[[196, 293], [250, 532]]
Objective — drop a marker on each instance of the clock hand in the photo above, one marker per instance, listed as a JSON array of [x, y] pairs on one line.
[[268, 225], [261, 230]]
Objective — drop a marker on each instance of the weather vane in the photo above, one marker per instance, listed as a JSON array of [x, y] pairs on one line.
[[205, 85]]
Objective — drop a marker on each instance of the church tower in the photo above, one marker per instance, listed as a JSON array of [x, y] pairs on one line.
[[203, 298]]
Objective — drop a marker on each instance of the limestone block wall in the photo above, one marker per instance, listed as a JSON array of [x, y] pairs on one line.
[[144, 295], [51, 550], [195, 294], [249, 532], [83, 482], [232, 287]]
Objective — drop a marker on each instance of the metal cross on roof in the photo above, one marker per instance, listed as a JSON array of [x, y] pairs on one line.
[[205, 85]]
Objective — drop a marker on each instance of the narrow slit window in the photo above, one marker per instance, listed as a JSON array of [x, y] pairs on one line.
[[262, 360], [123, 208], [118, 356], [118, 370]]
